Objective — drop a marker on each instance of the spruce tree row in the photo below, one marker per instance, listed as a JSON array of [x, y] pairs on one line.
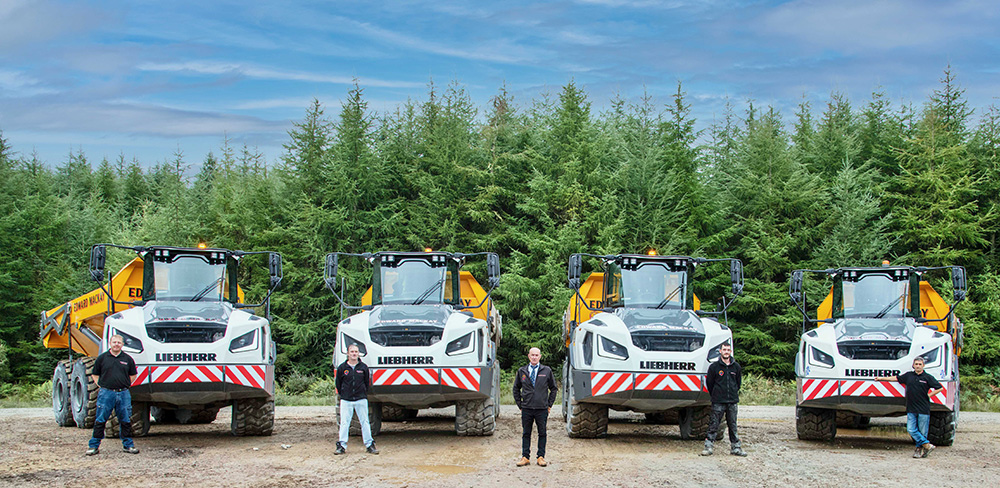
[[842, 186]]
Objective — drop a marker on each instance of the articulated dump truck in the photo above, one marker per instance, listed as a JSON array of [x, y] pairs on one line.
[[429, 334], [873, 323], [637, 340], [183, 319]]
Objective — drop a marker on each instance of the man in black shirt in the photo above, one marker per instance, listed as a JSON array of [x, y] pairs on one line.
[[723, 382], [534, 393], [113, 372], [352, 385], [920, 387]]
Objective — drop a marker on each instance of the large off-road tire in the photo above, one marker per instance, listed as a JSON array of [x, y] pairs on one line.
[[395, 413], [83, 393], [62, 407], [374, 419], [253, 416], [942, 428], [475, 417], [851, 420], [162, 415], [667, 417], [585, 420], [203, 416], [693, 423], [140, 421], [815, 424]]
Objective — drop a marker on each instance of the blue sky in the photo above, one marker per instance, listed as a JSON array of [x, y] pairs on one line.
[[146, 78]]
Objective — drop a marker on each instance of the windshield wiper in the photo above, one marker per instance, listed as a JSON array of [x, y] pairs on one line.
[[423, 296], [669, 297], [201, 294], [889, 307]]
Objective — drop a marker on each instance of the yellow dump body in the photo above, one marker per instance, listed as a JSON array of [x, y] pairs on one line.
[[592, 291], [932, 306], [470, 293]]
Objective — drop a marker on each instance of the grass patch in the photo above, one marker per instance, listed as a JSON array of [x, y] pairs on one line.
[[758, 390], [26, 396]]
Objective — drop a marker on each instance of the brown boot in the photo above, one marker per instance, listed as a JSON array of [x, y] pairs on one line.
[[542, 462], [523, 462]]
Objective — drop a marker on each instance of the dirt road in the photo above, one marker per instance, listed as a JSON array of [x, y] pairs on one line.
[[426, 452]]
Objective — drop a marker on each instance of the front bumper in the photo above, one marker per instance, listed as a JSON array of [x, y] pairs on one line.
[[866, 397], [182, 385], [640, 391], [427, 387]]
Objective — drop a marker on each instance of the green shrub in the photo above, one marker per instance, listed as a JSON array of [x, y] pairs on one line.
[[758, 390], [323, 388], [297, 383]]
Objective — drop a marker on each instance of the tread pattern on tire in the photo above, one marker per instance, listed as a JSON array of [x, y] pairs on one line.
[[475, 417], [253, 416], [203, 416], [84, 418], [851, 420], [942, 429], [61, 380], [394, 413], [815, 424], [587, 420]]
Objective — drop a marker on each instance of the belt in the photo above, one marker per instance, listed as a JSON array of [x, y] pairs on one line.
[[118, 390]]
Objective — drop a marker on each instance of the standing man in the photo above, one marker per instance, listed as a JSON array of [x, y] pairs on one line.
[[723, 381], [113, 372], [352, 386], [530, 387], [920, 387]]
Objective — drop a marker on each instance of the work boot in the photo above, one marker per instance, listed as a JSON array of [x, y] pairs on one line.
[[708, 449], [542, 462], [340, 449], [738, 451], [92, 451], [928, 448], [918, 452], [372, 449], [523, 462], [131, 450]]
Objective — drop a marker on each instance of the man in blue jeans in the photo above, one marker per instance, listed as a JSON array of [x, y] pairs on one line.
[[920, 387], [113, 372], [352, 382]]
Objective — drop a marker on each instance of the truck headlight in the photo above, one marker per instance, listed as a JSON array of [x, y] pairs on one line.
[[462, 345], [932, 358], [245, 342], [130, 344], [820, 358], [611, 349], [348, 340]]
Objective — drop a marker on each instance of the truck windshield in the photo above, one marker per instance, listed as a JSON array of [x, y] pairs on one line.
[[189, 278], [413, 282], [653, 285], [876, 296]]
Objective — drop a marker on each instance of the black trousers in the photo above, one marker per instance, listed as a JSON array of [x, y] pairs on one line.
[[536, 416], [718, 410]]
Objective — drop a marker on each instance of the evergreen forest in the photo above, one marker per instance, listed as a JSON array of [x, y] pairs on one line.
[[849, 183]]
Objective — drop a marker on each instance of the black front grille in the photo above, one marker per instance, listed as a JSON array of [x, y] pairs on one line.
[[667, 341], [873, 349], [185, 332], [407, 336]]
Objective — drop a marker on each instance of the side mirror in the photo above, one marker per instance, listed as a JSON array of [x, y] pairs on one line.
[[736, 275], [330, 272], [574, 268], [958, 283], [493, 269], [98, 256], [274, 266], [795, 288]]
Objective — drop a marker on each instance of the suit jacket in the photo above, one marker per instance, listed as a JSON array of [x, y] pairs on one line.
[[534, 396]]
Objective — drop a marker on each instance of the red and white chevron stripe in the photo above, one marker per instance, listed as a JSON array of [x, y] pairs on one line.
[[252, 375], [667, 382], [185, 374], [868, 388], [404, 376], [942, 397], [142, 376], [607, 383], [464, 378], [815, 388]]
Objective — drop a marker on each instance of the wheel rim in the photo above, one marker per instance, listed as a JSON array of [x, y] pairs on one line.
[[81, 392]]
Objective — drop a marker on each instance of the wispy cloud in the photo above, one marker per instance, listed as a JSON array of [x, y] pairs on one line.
[[19, 84], [250, 71]]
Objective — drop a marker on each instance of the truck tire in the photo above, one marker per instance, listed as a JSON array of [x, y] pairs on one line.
[[585, 420], [667, 417], [162, 415], [140, 421], [395, 413], [203, 416], [475, 417], [374, 419], [942, 428], [693, 423], [815, 424], [253, 416], [565, 389], [62, 407], [851, 420], [83, 394]]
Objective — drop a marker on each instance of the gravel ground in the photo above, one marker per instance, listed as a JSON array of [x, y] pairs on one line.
[[426, 452]]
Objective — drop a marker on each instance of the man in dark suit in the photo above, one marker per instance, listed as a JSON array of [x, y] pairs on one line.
[[531, 384]]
